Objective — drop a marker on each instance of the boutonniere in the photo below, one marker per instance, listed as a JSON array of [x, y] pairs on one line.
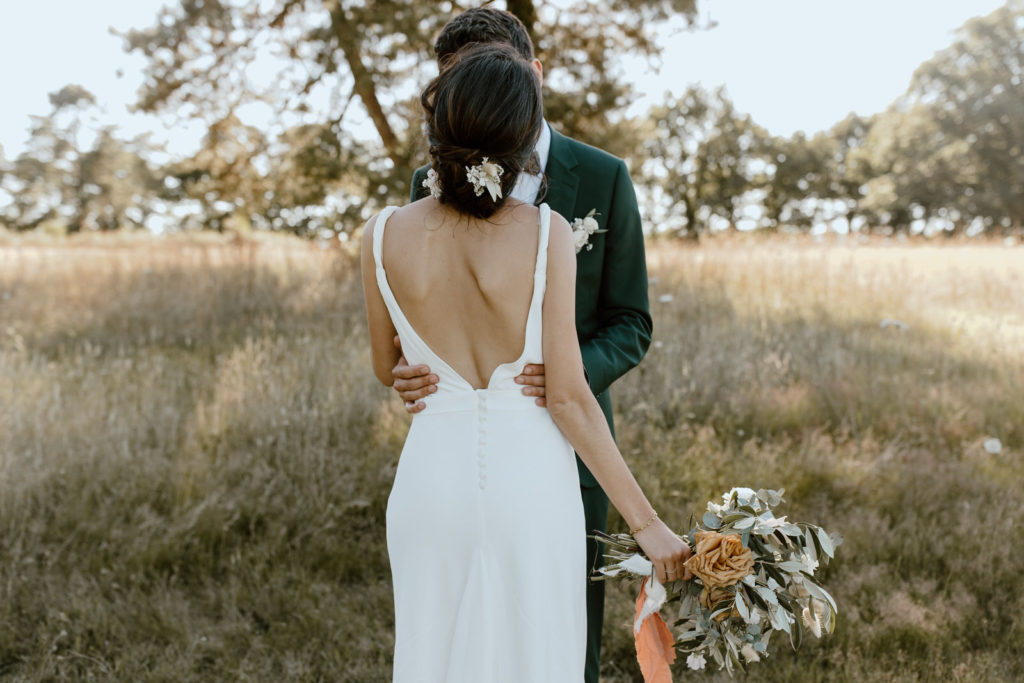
[[583, 228]]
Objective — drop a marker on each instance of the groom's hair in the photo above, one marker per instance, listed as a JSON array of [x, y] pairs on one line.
[[482, 25], [485, 103]]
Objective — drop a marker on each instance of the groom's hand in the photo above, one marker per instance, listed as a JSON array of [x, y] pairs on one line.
[[533, 377], [412, 382]]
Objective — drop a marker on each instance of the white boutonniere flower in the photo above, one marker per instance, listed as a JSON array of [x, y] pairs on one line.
[[583, 228]]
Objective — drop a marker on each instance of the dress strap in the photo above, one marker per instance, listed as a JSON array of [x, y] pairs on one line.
[[540, 278], [540, 269], [378, 240]]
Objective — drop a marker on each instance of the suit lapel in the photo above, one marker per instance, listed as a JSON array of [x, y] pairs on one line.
[[562, 179]]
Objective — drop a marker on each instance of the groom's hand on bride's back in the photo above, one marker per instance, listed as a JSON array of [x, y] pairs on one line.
[[533, 378], [412, 382]]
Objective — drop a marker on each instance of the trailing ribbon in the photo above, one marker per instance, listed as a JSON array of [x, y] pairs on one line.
[[655, 649]]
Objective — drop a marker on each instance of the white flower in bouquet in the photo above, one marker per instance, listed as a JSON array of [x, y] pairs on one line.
[[744, 496], [696, 662]]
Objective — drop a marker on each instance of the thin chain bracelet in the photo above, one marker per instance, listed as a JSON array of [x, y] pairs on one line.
[[646, 524]]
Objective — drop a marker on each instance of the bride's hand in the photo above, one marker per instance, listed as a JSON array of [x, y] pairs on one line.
[[666, 551]]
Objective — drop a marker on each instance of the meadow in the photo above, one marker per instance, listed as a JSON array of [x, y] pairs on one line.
[[195, 457]]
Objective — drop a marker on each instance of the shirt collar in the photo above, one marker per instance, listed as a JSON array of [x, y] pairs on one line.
[[543, 147]]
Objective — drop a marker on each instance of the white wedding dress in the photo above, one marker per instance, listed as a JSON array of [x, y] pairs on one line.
[[485, 527]]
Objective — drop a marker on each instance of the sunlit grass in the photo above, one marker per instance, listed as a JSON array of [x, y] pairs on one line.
[[195, 458]]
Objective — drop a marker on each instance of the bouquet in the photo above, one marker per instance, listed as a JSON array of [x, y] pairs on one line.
[[753, 576]]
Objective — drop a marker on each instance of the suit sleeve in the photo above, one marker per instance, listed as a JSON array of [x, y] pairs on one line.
[[625, 327], [417, 191]]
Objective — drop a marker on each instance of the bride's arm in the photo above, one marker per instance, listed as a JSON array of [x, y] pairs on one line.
[[576, 412], [382, 330]]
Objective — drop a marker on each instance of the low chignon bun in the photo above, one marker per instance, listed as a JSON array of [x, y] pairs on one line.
[[486, 102]]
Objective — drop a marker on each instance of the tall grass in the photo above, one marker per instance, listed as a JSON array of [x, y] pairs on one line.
[[195, 458]]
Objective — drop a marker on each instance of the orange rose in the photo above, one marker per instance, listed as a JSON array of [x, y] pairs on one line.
[[709, 597], [720, 560]]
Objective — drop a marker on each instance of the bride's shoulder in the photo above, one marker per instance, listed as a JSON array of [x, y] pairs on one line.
[[561, 243], [559, 223]]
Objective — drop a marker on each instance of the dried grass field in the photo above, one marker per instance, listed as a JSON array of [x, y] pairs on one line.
[[195, 458]]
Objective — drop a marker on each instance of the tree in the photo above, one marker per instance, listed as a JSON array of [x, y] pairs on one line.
[[44, 178], [974, 93], [341, 62], [62, 182], [915, 172], [796, 171], [115, 185], [703, 158]]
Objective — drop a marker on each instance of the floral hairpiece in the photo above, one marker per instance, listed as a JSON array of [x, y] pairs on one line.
[[486, 174], [433, 183]]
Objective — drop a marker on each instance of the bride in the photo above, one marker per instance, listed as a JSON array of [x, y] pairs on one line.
[[485, 529]]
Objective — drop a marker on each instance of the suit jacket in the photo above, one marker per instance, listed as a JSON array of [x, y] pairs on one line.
[[613, 319]]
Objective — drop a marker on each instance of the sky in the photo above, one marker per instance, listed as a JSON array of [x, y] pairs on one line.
[[791, 64]]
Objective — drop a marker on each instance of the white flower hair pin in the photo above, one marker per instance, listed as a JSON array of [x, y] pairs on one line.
[[486, 174], [433, 183], [583, 228]]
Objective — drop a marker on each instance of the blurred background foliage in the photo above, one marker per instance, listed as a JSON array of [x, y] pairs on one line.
[[946, 157]]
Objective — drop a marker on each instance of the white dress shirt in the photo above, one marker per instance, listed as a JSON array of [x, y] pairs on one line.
[[528, 185]]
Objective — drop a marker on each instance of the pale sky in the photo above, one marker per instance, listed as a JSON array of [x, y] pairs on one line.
[[792, 64]]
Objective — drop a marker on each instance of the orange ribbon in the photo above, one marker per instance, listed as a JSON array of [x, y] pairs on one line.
[[654, 644]]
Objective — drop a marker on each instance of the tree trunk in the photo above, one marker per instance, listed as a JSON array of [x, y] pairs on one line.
[[692, 233], [348, 41]]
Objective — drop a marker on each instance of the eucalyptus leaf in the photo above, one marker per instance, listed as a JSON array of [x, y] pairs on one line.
[[741, 606], [820, 593], [745, 523], [774, 573], [778, 619], [826, 543], [756, 598], [791, 566], [710, 520], [809, 546], [796, 634], [768, 595]]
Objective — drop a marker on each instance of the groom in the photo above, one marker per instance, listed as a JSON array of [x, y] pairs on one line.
[[613, 320]]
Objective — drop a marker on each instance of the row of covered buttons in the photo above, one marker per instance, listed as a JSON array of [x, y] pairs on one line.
[[481, 438]]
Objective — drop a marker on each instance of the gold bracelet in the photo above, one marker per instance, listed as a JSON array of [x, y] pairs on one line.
[[646, 524]]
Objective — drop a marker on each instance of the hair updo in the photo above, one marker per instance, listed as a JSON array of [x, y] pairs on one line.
[[486, 102]]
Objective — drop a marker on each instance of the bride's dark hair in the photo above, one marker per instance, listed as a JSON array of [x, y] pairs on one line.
[[486, 102]]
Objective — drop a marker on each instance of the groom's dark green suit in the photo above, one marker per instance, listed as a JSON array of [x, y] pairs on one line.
[[613, 317]]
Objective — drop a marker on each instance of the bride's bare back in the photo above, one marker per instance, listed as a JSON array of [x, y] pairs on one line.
[[464, 283]]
